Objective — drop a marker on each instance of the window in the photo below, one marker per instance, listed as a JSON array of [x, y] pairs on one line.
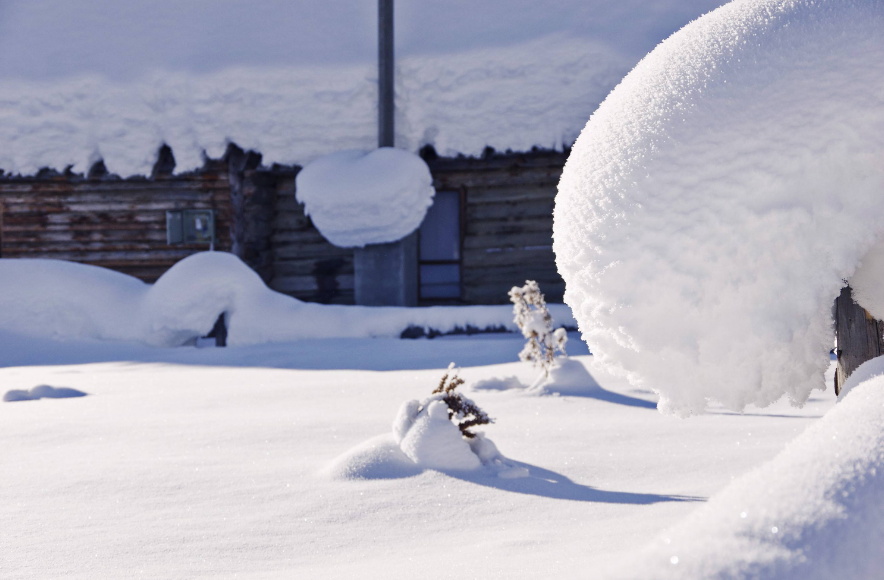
[[439, 260]]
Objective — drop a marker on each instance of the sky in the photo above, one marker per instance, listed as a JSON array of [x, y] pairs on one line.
[[46, 39]]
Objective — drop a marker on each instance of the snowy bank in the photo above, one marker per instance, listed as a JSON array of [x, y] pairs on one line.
[[716, 202], [357, 197], [69, 301], [816, 511]]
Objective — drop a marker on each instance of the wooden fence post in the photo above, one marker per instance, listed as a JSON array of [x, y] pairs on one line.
[[859, 336]]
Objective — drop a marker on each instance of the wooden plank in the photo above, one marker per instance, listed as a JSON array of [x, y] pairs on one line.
[[170, 195], [548, 176], [512, 193], [307, 267], [502, 161], [529, 240], [511, 209], [109, 236], [111, 257], [860, 337], [307, 284], [514, 257]]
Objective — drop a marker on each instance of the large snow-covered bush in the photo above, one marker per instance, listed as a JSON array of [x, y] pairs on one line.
[[356, 197], [718, 199]]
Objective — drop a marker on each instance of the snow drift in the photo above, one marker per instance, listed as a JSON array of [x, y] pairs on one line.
[[357, 198], [816, 511], [714, 205], [69, 301]]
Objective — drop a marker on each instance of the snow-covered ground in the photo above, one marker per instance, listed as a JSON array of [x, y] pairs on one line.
[[191, 462]]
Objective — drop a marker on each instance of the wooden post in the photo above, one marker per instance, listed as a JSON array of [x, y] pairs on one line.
[[859, 336], [386, 94]]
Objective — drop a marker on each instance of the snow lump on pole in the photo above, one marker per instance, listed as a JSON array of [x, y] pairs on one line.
[[721, 196], [356, 198]]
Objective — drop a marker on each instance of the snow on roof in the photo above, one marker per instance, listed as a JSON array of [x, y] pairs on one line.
[[114, 80], [357, 198], [715, 203], [813, 512]]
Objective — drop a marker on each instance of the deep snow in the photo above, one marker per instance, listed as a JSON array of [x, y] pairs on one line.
[[355, 197], [173, 471], [714, 205], [814, 512]]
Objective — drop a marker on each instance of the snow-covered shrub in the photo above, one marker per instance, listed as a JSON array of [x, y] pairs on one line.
[[534, 320], [718, 199], [462, 411]]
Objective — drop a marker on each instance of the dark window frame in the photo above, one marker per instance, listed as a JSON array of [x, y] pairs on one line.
[[462, 216]]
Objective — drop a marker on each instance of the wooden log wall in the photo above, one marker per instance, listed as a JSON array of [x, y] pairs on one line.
[[306, 265], [107, 221], [507, 222], [121, 223]]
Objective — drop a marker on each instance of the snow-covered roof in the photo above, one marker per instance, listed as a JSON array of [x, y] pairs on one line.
[[713, 206], [296, 80], [357, 198]]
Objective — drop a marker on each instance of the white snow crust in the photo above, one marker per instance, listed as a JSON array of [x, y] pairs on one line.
[[67, 301], [105, 79], [357, 197], [814, 512], [207, 462], [714, 205]]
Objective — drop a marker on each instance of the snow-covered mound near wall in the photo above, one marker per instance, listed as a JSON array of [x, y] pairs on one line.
[[715, 203], [356, 197], [69, 301], [814, 512]]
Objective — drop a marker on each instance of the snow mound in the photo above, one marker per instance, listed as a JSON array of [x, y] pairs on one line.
[[498, 384], [377, 458], [69, 301], [423, 437], [816, 511], [866, 371], [713, 206], [42, 392], [434, 442], [566, 377], [356, 197]]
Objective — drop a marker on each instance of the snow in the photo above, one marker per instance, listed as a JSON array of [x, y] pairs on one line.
[[434, 442], [41, 392], [716, 202], [359, 197], [213, 462], [816, 511], [104, 79], [66, 301]]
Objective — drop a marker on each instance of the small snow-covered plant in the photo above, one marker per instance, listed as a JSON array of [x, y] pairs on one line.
[[534, 320], [462, 411]]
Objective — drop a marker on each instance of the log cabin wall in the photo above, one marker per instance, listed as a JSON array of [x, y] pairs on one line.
[[506, 223], [305, 264], [507, 205], [107, 221]]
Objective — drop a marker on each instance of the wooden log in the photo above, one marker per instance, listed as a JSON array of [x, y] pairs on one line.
[[859, 337]]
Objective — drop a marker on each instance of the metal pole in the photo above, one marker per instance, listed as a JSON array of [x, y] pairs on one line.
[[386, 95]]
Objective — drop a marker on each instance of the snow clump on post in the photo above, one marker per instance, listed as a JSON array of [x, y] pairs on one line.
[[356, 198]]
